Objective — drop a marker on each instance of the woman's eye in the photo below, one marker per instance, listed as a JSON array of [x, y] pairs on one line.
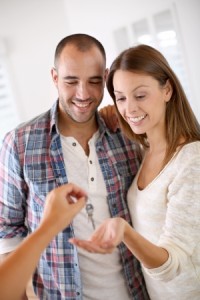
[[140, 97], [120, 99]]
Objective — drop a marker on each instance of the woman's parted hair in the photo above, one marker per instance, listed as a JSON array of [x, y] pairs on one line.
[[180, 120]]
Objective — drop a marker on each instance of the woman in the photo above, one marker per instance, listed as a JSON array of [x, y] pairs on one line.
[[164, 198]]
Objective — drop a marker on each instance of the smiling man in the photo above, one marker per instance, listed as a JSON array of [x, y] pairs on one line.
[[70, 143]]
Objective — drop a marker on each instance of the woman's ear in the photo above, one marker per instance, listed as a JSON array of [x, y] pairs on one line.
[[168, 90]]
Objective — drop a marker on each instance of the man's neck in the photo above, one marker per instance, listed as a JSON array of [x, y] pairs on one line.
[[82, 132]]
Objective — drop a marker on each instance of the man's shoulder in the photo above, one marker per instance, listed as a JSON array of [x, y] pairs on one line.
[[34, 129], [40, 121], [110, 134], [120, 139], [122, 146]]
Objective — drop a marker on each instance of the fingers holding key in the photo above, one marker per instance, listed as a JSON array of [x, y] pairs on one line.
[[62, 204]]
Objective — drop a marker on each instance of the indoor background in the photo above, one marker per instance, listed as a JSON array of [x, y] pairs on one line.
[[30, 31]]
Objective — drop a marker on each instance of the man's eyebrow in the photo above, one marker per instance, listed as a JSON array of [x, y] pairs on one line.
[[75, 77], [96, 77], [70, 77]]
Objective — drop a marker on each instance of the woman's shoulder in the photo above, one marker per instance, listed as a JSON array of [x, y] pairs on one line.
[[189, 152], [193, 147]]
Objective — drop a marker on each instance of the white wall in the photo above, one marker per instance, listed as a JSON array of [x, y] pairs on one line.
[[101, 18], [32, 29]]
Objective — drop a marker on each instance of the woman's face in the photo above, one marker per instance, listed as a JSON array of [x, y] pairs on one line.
[[141, 100]]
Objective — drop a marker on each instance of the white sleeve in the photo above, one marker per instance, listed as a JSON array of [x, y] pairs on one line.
[[181, 233], [8, 245]]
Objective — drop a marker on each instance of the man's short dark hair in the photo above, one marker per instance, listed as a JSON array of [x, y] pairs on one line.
[[82, 41]]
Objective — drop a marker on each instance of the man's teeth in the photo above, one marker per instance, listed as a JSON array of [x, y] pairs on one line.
[[82, 104], [137, 119]]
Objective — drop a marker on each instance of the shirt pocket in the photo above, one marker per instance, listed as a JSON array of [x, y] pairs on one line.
[[41, 181]]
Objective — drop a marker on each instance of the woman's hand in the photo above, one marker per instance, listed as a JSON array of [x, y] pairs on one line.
[[105, 238], [109, 114]]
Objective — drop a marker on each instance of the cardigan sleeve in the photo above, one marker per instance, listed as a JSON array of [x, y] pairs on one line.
[[181, 236]]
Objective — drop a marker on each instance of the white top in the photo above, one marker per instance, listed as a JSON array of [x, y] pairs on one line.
[[167, 213], [101, 275]]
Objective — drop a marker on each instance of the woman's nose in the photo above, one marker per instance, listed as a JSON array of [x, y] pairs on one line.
[[131, 105]]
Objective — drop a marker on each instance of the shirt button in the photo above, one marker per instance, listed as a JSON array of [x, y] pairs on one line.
[[77, 293], [74, 144], [92, 179], [90, 162]]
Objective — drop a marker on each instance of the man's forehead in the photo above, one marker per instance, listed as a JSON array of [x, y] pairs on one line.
[[77, 66], [72, 54]]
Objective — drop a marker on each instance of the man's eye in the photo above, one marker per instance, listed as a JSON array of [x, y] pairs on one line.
[[70, 82], [96, 82]]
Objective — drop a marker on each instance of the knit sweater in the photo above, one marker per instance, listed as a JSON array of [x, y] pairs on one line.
[[167, 213]]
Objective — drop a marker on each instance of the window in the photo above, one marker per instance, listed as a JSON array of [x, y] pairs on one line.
[[167, 39], [159, 31]]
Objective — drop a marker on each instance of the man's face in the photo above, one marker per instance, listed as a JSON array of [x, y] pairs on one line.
[[80, 80]]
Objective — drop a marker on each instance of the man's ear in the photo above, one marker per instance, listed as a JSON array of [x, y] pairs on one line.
[[168, 90], [54, 75], [106, 73]]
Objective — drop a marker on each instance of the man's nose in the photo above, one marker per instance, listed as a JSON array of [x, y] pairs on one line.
[[82, 91]]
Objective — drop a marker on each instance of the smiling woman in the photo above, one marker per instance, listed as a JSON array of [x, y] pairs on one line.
[[141, 101]]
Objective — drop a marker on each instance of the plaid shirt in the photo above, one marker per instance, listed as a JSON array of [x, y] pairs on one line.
[[32, 164]]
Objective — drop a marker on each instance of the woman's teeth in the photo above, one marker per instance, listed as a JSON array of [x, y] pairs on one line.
[[137, 119]]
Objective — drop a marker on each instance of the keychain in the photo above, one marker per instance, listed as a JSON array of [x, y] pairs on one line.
[[90, 209]]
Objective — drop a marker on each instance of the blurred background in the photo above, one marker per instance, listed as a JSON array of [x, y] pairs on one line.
[[30, 31]]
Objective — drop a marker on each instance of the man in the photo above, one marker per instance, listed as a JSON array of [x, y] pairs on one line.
[[70, 143]]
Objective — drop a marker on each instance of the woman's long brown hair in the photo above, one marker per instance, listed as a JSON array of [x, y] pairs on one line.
[[181, 123]]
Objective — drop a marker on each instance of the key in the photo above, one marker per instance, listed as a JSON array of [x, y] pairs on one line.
[[90, 210]]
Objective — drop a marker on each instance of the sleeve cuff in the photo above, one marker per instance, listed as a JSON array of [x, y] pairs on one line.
[[8, 245]]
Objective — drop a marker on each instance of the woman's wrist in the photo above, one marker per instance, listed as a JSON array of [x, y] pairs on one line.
[[126, 230]]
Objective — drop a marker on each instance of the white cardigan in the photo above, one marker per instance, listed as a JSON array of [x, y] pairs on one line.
[[167, 213]]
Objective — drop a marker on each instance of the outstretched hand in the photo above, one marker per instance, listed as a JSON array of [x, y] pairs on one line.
[[105, 238], [109, 114]]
